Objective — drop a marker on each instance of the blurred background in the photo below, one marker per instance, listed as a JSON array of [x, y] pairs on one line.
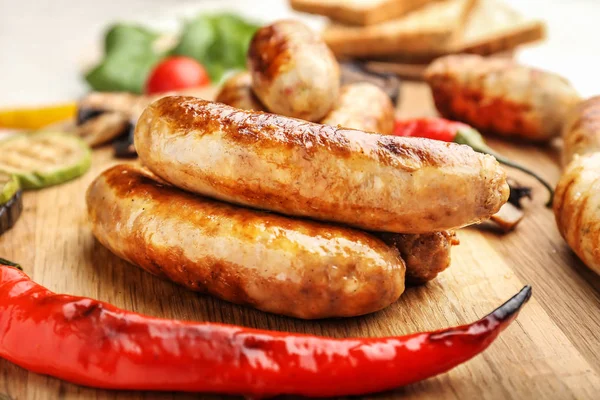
[[46, 45]]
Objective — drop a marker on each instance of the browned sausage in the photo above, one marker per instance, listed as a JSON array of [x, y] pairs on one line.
[[362, 106], [581, 130], [375, 182], [237, 92], [278, 264], [293, 71], [577, 198], [501, 96]]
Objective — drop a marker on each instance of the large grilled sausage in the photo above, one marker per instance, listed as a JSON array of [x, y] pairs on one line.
[[577, 197], [237, 92], [278, 264], [375, 182], [293, 71], [501, 96], [362, 106]]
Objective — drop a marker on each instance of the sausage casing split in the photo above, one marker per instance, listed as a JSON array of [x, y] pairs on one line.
[[501, 96], [577, 197], [237, 92], [370, 181], [362, 106], [278, 264], [425, 255], [293, 71]]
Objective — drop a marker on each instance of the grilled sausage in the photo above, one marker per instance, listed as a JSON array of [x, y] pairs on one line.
[[375, 182], [581, 130], [237, 92], [425, 255], [277, 264], [362, 106], [577, 198], [293, 71], [500, 96]]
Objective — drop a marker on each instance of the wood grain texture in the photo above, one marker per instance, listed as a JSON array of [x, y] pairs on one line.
[[552, 351]]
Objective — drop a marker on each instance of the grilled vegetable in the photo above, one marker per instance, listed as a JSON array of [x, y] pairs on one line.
[[44, 159], [123, 145], [11, 204], [36, 118], [96, 344], [102, 128], [9, 186]]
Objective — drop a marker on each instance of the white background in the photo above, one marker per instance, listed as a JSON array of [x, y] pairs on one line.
[[45, 44]]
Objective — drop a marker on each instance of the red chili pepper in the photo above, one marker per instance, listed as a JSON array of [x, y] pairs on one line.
[[92, 343], [458, 132]]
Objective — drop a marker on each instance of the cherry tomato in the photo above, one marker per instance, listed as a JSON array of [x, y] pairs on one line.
[[175, 73]]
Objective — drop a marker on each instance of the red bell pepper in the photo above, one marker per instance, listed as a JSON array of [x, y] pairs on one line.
[[92, 343], [458, 132]]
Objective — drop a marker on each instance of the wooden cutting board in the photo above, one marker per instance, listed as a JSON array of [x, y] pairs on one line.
[[552, 351]]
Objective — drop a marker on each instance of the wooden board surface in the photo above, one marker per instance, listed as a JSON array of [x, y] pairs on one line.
[[552, 351]]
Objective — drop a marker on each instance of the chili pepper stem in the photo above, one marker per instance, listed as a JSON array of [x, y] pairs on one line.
[[10, 264], [472, 138]]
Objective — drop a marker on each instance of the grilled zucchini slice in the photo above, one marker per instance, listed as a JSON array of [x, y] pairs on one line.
[[11, 203], [44, 159]]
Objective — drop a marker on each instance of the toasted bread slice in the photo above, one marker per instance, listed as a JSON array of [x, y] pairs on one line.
[[492, 27], [358, 12], [429, 28]]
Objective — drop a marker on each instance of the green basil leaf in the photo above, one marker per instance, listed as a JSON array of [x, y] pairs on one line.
[[219, 42], [197, 37], [129, 58]]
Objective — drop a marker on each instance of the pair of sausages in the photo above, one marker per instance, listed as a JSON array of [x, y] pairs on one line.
[[292, 72], [277, 263]]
